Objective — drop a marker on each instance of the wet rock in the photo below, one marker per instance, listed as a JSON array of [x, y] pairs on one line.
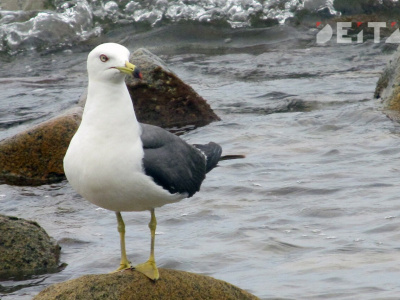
[[35, 156], [25, 249], [129, 285], [388, 86], [162, 99]]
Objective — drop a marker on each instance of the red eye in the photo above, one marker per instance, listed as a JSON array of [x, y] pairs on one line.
[[103, 58]]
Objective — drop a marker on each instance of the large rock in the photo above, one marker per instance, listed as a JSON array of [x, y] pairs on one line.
[[25, 249], [162, 99], [129, 285], [35, 156], [388, 86]]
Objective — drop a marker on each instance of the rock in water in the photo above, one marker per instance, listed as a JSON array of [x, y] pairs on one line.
[[161, 98], [388, 86], [25, 249], [164, 100], [35, 156], [130, 285]]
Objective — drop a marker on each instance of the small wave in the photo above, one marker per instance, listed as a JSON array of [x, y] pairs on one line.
[[68, 24], [71, 22]]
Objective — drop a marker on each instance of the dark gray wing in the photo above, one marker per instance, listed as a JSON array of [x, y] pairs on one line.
[[173, 164]]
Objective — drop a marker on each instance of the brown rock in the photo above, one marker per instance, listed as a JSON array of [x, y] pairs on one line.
[[25, 249], [35, 156], [161, 98], [164, 100], [129, 285], [388, 87]]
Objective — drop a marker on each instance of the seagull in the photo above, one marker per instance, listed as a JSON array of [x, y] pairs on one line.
[[122, 165]]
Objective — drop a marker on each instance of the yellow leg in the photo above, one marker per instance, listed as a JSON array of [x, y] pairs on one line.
[[125, 264], [149, 268]]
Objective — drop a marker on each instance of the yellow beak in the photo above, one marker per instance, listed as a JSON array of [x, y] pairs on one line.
[[130, 69]]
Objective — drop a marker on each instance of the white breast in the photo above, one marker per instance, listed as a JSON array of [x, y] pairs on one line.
[[104, 160]]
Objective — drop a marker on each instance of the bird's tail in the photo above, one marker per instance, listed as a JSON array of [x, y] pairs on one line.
[[232, 156], [213, 151]]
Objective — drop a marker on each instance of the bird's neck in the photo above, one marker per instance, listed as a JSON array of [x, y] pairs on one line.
[[109, 110]]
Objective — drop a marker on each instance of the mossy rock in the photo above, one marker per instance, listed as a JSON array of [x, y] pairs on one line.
[[25, 249], [388, 87], [130, 285], [35, 156], [161, 98]]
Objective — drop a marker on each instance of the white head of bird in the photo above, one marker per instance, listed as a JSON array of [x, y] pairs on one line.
[[109, 62]]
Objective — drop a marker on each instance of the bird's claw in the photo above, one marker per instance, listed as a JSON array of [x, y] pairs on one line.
[[122, 267]]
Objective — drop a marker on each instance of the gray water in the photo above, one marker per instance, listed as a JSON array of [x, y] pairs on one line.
[[66, 23], [312, 212]]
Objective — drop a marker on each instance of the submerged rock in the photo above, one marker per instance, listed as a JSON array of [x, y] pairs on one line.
[[388, 86], [25, 249], [163, 99], [35, 156], [129, 285]]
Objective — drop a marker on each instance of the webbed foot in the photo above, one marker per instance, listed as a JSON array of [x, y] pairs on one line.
[[149, 269]]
